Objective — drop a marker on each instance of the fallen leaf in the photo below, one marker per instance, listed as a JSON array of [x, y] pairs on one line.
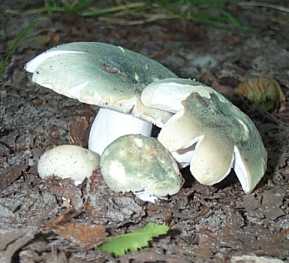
[[85, 235], [263, 92]]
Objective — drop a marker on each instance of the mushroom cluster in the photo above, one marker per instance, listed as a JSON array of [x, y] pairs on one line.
[[199, 127], [208, 132], [108, 76]]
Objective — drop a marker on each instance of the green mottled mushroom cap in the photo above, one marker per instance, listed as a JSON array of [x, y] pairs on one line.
[[100, 74], [223, 135], [140, 164]]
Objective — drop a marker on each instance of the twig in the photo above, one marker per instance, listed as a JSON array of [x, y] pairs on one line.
[[87, 13], [109, 10], [261, 4], [146, 20]]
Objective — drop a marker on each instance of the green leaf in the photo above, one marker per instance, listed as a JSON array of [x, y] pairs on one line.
[[133, 241]]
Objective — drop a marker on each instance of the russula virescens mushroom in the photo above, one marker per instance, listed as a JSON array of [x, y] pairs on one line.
[[141, 165], [169, 94], [68, 161], [108, 76], [208, 132]]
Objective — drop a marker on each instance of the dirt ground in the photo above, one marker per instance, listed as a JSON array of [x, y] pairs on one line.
[[208, 223]]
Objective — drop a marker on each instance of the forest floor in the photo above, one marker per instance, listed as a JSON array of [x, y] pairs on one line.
[[207, 223]]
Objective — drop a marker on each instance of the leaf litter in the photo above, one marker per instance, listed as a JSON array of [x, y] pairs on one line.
[[209, 224], [85, 235]]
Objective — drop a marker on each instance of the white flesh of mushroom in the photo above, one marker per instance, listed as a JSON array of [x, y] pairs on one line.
[[110, 125], [240, 171], [172, 102]]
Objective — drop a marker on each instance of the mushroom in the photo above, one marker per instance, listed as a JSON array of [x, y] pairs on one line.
[[108, 76], [68, 161], [142, 165], [208, 132], [168, 94]]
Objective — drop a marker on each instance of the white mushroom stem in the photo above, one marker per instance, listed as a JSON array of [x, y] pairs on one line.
[[109, 125]]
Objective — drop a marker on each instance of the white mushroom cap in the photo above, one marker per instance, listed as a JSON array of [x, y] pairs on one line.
[[168, 94], [68, 161], [209, 129], [100, 74], [142, 165], [171, 95]]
